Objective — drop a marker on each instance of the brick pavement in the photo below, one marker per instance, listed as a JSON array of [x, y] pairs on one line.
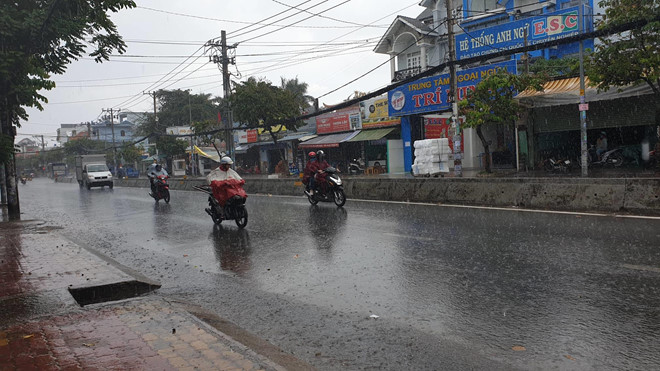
[[43, 328]]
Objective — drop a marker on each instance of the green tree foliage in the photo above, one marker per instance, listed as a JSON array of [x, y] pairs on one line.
[[492, 103], [171, 147], [299, 91], [259, 104], [556, 68], [83, 146], [41, 37], [130, 154], [631, 57], [208, 133], [180, 108]]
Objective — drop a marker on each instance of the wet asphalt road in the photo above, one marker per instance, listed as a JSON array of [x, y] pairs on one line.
[[454, 288]]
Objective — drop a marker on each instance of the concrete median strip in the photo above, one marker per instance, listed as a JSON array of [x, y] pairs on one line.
[[633, 195]]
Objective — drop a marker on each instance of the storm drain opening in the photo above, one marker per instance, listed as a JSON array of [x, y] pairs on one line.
[[111, 292]]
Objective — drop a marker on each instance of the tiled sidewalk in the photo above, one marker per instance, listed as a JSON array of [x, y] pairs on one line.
[[43, 328]]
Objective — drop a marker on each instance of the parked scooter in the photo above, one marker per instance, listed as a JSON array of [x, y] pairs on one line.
[[551, 165], [613, 157], [329, 188], [356, 166], [161, 189]]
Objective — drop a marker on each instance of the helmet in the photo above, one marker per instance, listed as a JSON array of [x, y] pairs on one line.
[[312, 154], [226, 161], [603, 134], [321, 154], [158, 167]]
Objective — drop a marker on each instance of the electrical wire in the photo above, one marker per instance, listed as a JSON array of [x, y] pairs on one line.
[[244, 22], [326, 17]]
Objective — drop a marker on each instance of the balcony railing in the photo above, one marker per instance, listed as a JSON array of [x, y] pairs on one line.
[[404, 74]]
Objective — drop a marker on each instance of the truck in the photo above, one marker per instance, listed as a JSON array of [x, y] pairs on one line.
[[92, 171]]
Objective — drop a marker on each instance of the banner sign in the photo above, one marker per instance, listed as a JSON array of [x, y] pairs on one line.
[[439, 128], [247, 136], [338, 121], [179, 130], [430, 93], [375, 113], [542, 28]]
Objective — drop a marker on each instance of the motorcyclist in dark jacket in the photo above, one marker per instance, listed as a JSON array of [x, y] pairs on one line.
[[308, 174]]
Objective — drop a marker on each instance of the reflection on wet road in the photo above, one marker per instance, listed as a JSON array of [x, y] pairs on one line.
[[453, 287]]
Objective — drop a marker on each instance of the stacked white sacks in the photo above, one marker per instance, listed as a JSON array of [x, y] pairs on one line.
[[431, 156]]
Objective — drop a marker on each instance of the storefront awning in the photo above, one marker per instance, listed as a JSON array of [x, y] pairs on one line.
[[287, 138], [329, 141], [242, 148], [214, 157], [374, 134], [567, 91], [307, 137]]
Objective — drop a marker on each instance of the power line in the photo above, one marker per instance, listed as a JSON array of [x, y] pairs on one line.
[[243, 22], [289, 25], [268, 68], [326, 17]]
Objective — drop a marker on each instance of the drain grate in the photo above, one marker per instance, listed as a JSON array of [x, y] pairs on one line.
[[111, 292]]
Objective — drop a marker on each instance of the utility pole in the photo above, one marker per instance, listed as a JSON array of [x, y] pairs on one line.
[[453, 91], [43, 153], [582, 107], [224, 60], [112, 127], [153, 95]]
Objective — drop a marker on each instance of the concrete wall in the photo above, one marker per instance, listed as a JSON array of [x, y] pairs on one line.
[[640, 196]]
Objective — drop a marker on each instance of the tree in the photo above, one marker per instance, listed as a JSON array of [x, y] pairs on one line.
[[39, 38], [492, 103], [299, 91], [171, 147], [83, 146], [556, 68], [631, 57], [259, 104], [130, 154]]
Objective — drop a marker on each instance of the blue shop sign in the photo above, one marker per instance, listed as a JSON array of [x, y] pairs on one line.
[[430, 93], [542, 28]]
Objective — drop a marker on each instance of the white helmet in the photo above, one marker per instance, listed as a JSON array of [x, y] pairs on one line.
[[226, 160]]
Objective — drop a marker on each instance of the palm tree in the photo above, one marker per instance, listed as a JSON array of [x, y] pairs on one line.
[[299, 91]]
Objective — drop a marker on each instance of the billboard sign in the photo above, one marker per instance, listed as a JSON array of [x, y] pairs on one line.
[[338, 121], [375, 113], [511, 35], [430, 93]]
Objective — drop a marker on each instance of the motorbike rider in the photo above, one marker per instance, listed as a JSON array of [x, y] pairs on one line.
[[308, 174], [320, 173], [153, 174], [224, 171]]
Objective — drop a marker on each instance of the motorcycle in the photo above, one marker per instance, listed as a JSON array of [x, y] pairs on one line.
[[356, 166], [613, 157], [551, 165], [23, 180], [161, 190], [234, 208], [329, 188]]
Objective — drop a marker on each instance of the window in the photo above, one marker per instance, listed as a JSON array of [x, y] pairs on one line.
[[123, 133], [413, 59]]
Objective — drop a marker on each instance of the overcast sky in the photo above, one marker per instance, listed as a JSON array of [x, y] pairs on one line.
[[324, 51]]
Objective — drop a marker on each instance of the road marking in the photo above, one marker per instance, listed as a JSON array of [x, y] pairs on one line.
[[490, 208], [647, 268]]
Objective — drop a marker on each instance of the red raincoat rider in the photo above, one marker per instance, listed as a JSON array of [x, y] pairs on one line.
[[225, 182], [313, 174]]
